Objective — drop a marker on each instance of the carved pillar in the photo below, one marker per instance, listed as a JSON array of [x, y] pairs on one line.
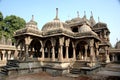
[[53, 53], [74, 53], [106, 54], [92, 54], [61, 41], [43, 53], [15, 54], [67, 45], [86, 48], [53, 48], [3, 52], [67, 53], [27, 42], [97, 46], [9, 53], [26, 51], [61, 53]]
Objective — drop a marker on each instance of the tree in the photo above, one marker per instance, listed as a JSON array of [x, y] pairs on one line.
[[12, 23], [1, 16]]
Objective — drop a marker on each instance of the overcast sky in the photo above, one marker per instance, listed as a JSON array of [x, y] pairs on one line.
[[44, 11]]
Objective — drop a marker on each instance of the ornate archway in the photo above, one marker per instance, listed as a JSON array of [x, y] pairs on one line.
[[35, 48], [81, 50]]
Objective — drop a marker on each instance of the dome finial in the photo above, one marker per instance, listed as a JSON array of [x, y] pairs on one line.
[[91, 13], [84, 14], [98, 19], [32, 18], [78, 14], [56, 18]]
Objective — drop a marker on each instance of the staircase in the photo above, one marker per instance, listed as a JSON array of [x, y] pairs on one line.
[[11, 64], [77, 66]]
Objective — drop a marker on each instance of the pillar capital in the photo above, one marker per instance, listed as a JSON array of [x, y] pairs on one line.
[[67, 42], [28, 40], [97, 45], [91, 43], [86, 46], [61, 41]]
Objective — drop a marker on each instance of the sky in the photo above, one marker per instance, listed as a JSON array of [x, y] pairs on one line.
[[45, 11]]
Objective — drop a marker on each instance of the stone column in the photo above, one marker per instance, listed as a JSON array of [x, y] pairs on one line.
[[26, 51], [53, 53], [15, 54], [67, 55], [113, 58], [43, 53], [92, 54], [97, 46], [61, 53], [61, 41], [4, 57], [27, 42], [9, 53], [86, 48], [67, 45], [74, 53], [106, 54]]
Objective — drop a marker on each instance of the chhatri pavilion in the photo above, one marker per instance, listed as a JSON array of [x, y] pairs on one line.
[[79, 44]]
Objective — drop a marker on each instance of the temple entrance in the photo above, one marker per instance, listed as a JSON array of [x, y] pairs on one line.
[[81, 51]]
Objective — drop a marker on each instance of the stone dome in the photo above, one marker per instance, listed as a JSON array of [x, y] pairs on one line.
[[32, 23], [56, 23], [85, 28], [117, 46]]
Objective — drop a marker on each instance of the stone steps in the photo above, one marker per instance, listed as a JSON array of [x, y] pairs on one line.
[[10, 64]]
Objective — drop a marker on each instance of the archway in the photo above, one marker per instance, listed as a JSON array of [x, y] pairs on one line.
[[80, 50], [57, 48], [35, 47], [48, 49], [70, 50]]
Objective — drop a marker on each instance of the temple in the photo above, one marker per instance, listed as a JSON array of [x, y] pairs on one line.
[[77, 45]]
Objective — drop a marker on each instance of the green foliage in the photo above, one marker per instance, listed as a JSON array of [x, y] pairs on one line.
[[10, 24], [1, 16]]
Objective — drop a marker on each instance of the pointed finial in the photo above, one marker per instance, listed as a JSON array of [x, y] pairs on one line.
[[84, 14], [98, 19], [32, 18], [91, 13], [77, 13], [56, 18], [117, 39]]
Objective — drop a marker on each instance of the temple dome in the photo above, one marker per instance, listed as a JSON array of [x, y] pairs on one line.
[[117, 46], [56, 23], [32, 23], [85, 28]]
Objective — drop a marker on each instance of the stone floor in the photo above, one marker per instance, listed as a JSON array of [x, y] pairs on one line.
[[110, 72], [45, 76]]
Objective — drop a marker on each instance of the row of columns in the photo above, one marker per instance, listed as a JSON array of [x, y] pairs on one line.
[[60, 50]]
